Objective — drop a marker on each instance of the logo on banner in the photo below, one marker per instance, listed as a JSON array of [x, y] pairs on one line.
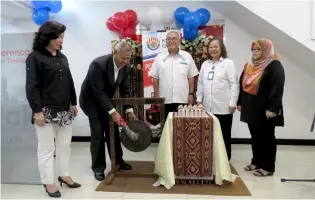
[[153, 43]]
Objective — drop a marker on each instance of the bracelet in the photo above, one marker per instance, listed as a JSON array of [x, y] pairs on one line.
[[192, 94]]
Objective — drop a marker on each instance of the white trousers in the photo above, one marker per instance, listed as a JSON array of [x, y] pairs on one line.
[[46, 148]]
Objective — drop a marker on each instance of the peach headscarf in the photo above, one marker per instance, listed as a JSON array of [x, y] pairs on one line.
[[254, 70]]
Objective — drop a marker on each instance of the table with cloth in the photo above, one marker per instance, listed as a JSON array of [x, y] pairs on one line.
[[164, 160]]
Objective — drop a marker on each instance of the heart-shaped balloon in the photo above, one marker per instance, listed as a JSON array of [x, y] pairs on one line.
[[120, 20], [110, 25]]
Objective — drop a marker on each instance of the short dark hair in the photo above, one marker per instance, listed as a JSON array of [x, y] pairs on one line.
[[222, 47], [50, 30]]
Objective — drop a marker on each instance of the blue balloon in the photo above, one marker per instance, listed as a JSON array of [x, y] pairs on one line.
[[190, 34], [40, 16], [204, 16], [178, 25], [55, 6], [40, 4], [192, 21], [179, 16]]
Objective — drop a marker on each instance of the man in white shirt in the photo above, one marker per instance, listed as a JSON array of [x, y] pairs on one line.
[[173, 74]]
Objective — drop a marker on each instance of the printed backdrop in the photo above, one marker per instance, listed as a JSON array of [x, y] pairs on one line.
[[152, 44], [214, 30], [18, 137]]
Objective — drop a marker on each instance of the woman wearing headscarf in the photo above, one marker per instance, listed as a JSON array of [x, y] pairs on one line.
[[260, 104]]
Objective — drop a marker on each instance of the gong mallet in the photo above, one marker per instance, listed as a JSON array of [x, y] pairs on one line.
[[132, 135]]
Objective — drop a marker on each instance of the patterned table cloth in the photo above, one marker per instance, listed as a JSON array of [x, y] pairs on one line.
[[164, 159], [193, 148]]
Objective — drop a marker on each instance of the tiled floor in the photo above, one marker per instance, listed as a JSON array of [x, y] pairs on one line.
[[292, 162]]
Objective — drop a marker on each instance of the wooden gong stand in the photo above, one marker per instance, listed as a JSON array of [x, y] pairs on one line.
[[130, 101]]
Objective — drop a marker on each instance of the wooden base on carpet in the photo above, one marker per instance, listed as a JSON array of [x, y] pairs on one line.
[[141, 178], [297, 142]]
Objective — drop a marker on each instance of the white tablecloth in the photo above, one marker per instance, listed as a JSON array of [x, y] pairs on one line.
[[164, 156]]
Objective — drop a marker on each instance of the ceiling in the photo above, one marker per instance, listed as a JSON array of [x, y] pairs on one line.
[[15, 10], [252, 23], [19, 10], [22, 10]]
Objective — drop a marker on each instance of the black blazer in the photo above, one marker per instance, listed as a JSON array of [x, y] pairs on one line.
[[269, 97], [99, 87]]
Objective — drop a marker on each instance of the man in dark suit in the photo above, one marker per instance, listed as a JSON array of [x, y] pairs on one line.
[[105, 75]]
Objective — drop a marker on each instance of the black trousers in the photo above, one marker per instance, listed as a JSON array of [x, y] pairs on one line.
[[100, 125], [264, 145], [226, 127], [172, 107]]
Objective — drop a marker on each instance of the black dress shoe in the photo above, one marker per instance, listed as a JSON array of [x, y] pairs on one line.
[[99, 176], [124, 166], [73, 185], [53, 194]]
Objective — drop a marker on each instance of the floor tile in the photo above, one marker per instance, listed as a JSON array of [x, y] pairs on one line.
[[292, 162]]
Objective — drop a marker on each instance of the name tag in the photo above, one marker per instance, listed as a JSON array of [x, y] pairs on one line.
[[210, 75], [184, 63]]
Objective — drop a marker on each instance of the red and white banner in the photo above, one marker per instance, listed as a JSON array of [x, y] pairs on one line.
[[214, 30]]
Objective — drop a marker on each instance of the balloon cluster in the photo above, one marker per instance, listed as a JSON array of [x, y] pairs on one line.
[[190, 21], [41, 10], [123, 23], [156, 18]]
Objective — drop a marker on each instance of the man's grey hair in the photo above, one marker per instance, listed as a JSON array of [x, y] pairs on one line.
[[170, 32], [123, 46]]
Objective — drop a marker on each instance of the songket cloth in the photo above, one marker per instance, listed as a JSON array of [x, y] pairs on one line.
[[193, 148], [164, 161]]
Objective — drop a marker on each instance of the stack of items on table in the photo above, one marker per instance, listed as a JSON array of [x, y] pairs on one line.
[[191, 111], [193, 145]]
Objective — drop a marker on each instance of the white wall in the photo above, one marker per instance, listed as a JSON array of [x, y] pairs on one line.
[[313, 20], [91, 38], [292, 17]]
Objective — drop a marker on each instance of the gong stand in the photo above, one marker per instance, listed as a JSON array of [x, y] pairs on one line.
[[130, 101]]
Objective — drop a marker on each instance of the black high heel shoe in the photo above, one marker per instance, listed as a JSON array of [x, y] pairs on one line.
[[73, 185], [53, 194]]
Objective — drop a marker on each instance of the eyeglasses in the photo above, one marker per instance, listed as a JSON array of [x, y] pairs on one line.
[[172, 39], [255, 49]]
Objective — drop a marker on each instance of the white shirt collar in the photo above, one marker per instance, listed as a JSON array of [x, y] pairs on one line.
[[221, 58], [167, 54], [115, 66]]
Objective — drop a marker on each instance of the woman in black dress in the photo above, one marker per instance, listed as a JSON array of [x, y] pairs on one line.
[[51, 95], [260, 104]]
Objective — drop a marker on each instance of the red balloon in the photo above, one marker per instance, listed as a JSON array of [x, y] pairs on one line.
[[120, 20], [134, 25], [128, 32], [110, 25], [131, 16]]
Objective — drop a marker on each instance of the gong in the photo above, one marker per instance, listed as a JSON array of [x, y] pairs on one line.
[[145, 136]]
